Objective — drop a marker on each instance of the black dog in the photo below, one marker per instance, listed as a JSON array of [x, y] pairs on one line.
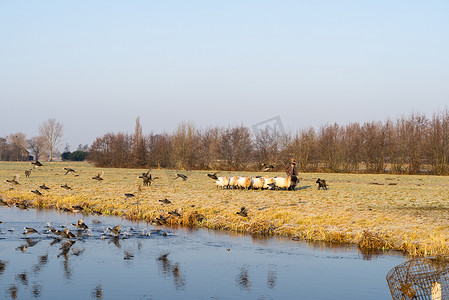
[[321, 184]]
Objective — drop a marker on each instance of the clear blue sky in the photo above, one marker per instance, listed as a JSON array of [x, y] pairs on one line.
[[97, 65]]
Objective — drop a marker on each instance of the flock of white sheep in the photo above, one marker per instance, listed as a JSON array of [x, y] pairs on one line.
[[256, 183]]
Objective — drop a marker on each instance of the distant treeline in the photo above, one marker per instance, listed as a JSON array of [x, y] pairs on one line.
[[408, 145]]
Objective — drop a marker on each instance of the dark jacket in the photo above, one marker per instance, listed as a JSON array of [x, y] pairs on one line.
[[291, 169]]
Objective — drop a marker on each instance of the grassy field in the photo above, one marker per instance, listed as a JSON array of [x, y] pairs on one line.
[[407, 213]]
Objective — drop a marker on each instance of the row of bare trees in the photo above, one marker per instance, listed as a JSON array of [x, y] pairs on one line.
[[408, 145], [16, 147]]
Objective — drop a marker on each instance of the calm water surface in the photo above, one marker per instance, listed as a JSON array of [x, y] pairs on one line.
[[167, 263]]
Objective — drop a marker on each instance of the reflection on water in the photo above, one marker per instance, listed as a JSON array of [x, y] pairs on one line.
[[147, 262], [243, 279], [420, 278]]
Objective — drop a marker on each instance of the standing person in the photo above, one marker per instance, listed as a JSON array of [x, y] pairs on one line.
[[292, 171]]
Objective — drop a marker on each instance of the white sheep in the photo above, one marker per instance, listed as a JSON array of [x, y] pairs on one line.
[[222, 182], [244, 182], [282, 182], [257, 183], [268, 183], [233, 182]]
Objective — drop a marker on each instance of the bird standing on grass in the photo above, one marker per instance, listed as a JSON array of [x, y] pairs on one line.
[[13, 181], [44, 187], [4, 203], [37, 192], [65, 186], [99, 176], [165, 201]]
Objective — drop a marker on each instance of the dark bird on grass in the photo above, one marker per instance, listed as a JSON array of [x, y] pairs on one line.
[[44, 187], [178, 175], [96, 212], [99, 176], [243, 212], [36, 192], [65, 186], [162, 220], [80, 224], [165, 201], [213, 176], [13, 181], [37, 163], [116, 229], [4, 203], [174, 213], [128, 255], [68, 170], [29, 230], [77, 208], [129, 195], [21, 205]]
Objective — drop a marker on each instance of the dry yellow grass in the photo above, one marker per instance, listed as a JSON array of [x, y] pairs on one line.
[[408, 213]]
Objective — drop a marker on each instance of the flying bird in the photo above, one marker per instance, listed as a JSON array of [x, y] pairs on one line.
[[67, 234], [268, 167], [116, 229], [37, 163], [243, 212], [213, 176], [80, 224], [178, 175], [68, 170]]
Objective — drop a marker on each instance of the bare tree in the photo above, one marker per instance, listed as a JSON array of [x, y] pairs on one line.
[[18, 146], [37, 145], [52, 131], [139, 148]]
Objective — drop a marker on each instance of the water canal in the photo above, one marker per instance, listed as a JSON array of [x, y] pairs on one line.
[[149, 262]]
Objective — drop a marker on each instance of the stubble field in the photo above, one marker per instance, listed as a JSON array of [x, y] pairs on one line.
[[377, 212]]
